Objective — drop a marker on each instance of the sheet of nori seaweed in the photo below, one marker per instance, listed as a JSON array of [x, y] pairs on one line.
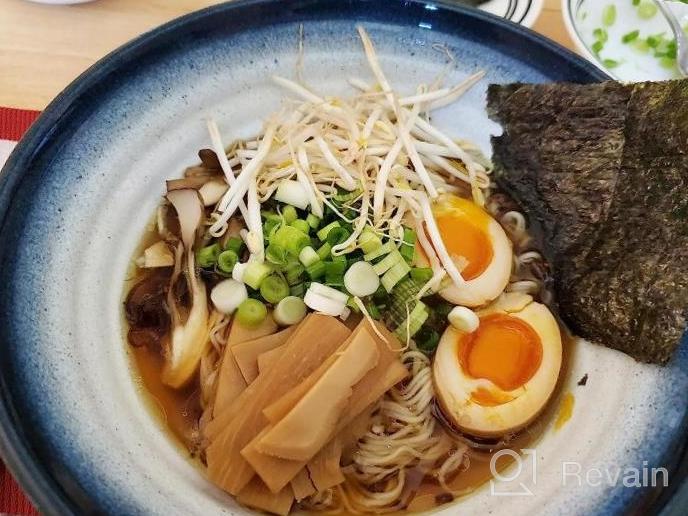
[[602, 172]]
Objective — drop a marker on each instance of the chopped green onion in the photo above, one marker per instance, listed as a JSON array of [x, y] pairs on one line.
[[408, 247], [609, 15], [388, 262], [380, 294], [270, 227], [401, 300], [369, 242], [334, 273], [289, 311], [324, 251], [337, 235], [655, 41], [293, 272], [351, 304], [291, 239], [421, 274], [610, 63], [255, 273], [630, 36], [361, 279], [290, 191], [322, 233], [373, 311], [234, 244], [647, 10], [298, 290], [274, 288], [329, 292], [350, 213], [227, 260], [464, 319], [347, 196], [227, 295], [641, 45], [334, 280], [289, 213], [302, 226], [275, 254], [597, 47], [313, 221], [413, 322], [354, 259], [601, 35], [207, 256], [322, 303], [308, 256], [270, 216], [672, 49], [379, 251], [636, 2], [443, 310], [251, 312], [427, 340], [395, 275], [667, 62], [317, 270]]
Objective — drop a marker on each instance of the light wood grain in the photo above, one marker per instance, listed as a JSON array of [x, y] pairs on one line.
[[44, 47]]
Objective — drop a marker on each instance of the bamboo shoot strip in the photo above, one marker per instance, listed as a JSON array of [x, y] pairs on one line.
[[324, 470], [277, 473], [257, 496], [305, 351], [230, 381], [246, 353], [307, 427]]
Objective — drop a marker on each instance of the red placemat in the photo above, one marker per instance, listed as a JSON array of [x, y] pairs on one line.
[[13, 124]]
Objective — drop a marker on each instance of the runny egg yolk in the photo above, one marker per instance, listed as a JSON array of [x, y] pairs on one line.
[[504, 350], [463, 228]]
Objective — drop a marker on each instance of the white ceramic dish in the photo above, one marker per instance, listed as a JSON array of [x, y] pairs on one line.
[[583, 17]]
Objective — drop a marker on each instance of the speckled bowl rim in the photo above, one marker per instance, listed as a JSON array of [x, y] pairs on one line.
[[47, 495]]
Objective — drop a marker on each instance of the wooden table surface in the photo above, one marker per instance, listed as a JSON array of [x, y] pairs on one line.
[[44, 47]]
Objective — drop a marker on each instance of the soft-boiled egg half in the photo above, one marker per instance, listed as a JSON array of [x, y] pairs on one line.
[[479, 247], [498, 378]]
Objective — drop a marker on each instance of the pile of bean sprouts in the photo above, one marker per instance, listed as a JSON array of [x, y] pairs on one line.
[[377, 143]]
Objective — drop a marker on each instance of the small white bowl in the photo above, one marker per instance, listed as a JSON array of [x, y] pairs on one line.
[[583, 17]]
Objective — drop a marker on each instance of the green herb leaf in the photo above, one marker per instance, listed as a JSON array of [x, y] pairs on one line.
[[601, 35], [641, 46], [647, 10], [597, 47], [610, 63], [631, 36], [609, 15], [655, 41], [667, 62]]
